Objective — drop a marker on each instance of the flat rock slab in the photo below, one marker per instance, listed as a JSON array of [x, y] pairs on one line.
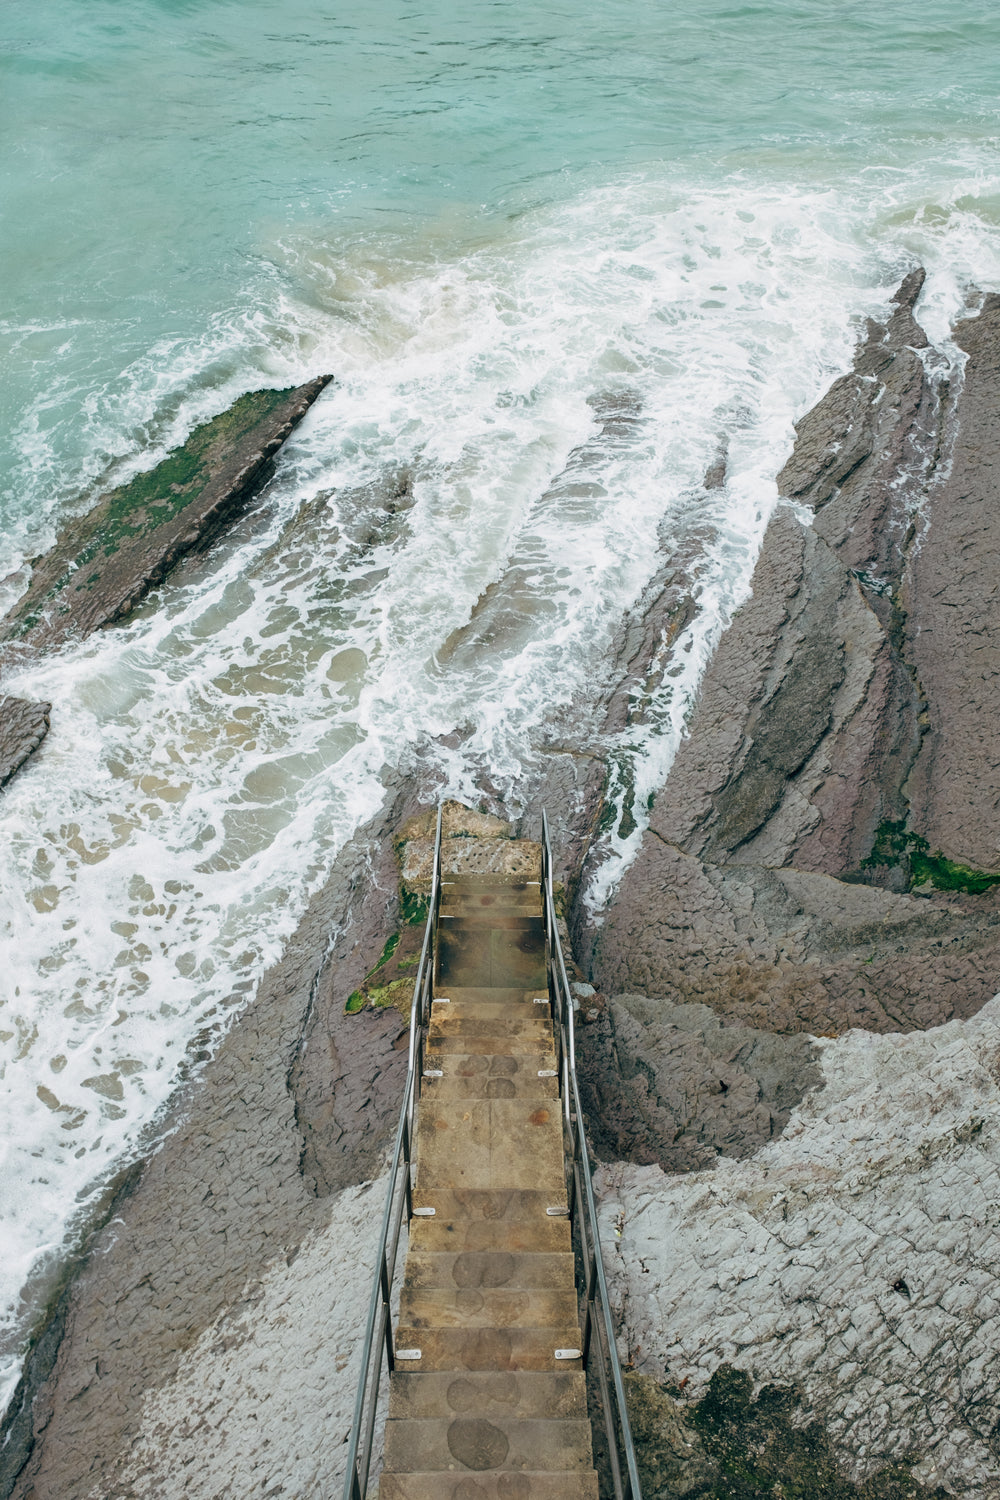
[[106, 561], [23, 726]]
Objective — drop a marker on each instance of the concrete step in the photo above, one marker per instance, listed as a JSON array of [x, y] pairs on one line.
[[461, 1082], [446, 1022], [487, 1010], [460, 914], [491, 994], [478, 1445], [539, 1236], [536, 1395], [497, 1486], [537, 1044], [489, 1268], [471, 954], [489, 1144], [491, 898], [486, 883], [490, 1205], [485, 1307], [463, 1349]]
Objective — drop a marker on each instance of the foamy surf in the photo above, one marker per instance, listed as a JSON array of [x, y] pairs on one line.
[[517, 439]]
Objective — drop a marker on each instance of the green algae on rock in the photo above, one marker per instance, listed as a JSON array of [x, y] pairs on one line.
[[896, 847], [107, 560], [733, 1445]]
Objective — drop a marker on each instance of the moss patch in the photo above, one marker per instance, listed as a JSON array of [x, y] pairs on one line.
[[413, 908], [895, 846], [734, 1446]]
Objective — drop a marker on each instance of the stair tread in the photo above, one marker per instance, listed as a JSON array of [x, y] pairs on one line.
[[458, 1085], [575, 1485], [482, 1444], [495, 1268], [490, 1205], [531, 1394], [492, 1143], [534, 1045], [461, 1349], [483, 1307], [451, 1236]]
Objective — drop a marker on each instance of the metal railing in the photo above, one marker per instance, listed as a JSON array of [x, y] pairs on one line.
[[600, 1353], [378, 1351]]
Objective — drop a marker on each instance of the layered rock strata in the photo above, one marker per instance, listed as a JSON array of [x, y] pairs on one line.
[[766, 885]]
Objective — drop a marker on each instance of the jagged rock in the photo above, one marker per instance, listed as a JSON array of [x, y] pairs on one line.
[[105, 562], [953, 630], [810, 721], [671, 1084], [23, 726]]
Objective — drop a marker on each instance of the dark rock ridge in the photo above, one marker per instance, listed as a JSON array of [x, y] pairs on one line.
[[106, 561], [23, 726], [835, 709]]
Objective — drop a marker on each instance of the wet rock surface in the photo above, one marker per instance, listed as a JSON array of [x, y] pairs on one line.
[[23, 726], [762, 887], [106, 561], [671, 1084], [299, 1101]]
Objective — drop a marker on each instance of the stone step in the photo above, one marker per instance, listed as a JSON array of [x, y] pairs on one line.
[[539, 1236], [455, 894], [460, 914], [490, 994], [525, 1486], [489, 1144], [537, 1044], [446, 1022], [536, 1395], [485, 1307], [463, 1349], [489, 1269], [459, 1082], [478, 1445], [487, 1010], [491, 1205]]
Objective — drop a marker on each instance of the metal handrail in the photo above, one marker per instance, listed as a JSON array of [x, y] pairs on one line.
[[600, 1353], [378, 1350]]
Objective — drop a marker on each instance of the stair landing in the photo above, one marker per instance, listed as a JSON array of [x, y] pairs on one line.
[[488, 1397]]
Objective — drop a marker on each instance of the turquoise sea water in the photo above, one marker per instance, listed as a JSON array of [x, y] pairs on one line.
[[491, 226]]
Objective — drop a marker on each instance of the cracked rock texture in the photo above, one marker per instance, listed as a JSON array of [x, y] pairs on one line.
[[825, 713], [855, 1257]]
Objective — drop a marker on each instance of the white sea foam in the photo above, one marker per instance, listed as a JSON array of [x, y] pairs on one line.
[[207, 762]]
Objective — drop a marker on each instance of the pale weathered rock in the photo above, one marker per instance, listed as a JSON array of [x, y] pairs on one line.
[[854, 1256], [262, 1401], [503, 858]]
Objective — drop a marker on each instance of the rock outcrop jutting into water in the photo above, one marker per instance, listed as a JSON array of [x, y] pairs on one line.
[[790, 1068]]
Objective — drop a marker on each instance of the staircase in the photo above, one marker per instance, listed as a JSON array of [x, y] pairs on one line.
[[492, 1375], [488, 1379]]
